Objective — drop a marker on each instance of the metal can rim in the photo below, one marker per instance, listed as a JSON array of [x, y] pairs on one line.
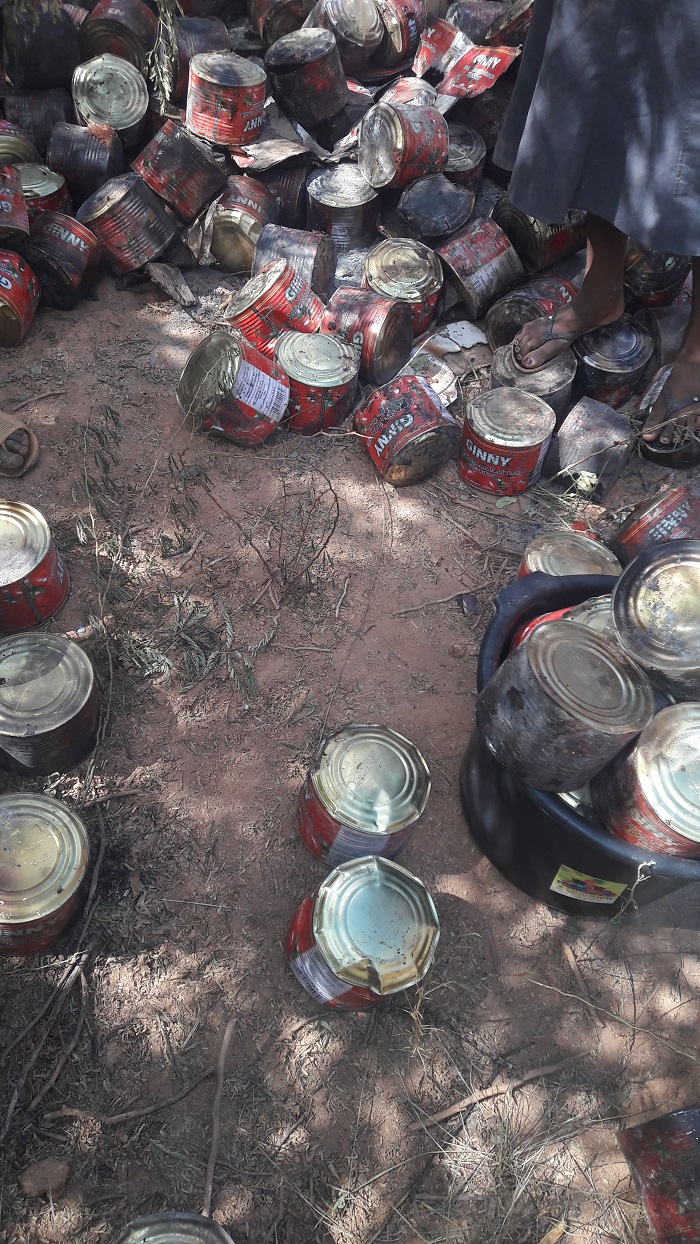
[[488, 417], [414, 288], [226, 69], [222, 343], [19, 514], [65, 875], [549, 551], [645, 619], [658, 767], [119, 114], [336, 361], [72, 665], [340, 799]]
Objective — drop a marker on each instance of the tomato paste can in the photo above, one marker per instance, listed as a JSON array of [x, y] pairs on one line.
[[76, 13], [45, 852], [510, 28], [434, 207], [474, 17], [231, 389], [407, 431], [322, 374], [612, 360], [65, 256], [539, 244], [595, 613], [360, 100], [273, 301], [410, 91], [174, 1228], [664, 1157], [505, 437], [288, 185], [125, 28], [356, 26], [109, 91], [366, 789], [379, 328], [651, 278], [306, 76], [544, 295], [19, 298], [242, 212], [672, 514], [564, 552], [274, 18], [656, 603], [40, 46], [409, 272], [342, 203], [466, 156], [37, 112], [193, 36], [44, 190], [84, 159], [14, 214], [404, 22], [481, 265], [180, 170], [15, 145], [552, 382], [368, 931], [398, 143], [311, 255], [440, 46], [129, 221], [48, 705], [34, 582], [225, 98]]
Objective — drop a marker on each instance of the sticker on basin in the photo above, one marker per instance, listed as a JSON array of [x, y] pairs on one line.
[[588, 889]]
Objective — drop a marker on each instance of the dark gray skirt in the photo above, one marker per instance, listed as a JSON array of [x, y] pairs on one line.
[[605, 116]]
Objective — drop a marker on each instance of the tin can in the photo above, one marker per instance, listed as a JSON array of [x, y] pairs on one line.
[[174, 1228], [356, 26], [475, 17], [15, 145], [673, 514], [505, 437], [368, 931], [655, 607], [552, 382], [566, 553], [288, 185], [76, 13], [65, 255], [510, 28], [651, 278], [225, 98], [544, 295], [84, 160], [399, 143], [595, 613], [45, 853], [366, 789], [487, 196], [40, 47], [48, 705], [562, 705], [486, 113], [407, 431], [180, 170], [378, 327], [539, 244], [34, 582], [466, 156], [360, 100], [306, 76], [664, 1157], [44, 190], [193, 36], [322, 374], [274, 18], [229, 388], [684, 449], [413, 91], [612, 360], [274, 300], [37, 112], [591, 449], [243, 212], [129, 222], [667, 328], [409, 272], [433, 207], [109, 91], [14, 216], [311, 255], [481, 265], [125, 28], [342, 203], [404, 22], [19, 298]]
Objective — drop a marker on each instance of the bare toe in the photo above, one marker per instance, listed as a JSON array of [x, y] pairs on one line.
[[17, 442], [11, 461]]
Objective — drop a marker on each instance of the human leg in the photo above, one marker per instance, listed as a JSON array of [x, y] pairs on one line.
[[683, 384]]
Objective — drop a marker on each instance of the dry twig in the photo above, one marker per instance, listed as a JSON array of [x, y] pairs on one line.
[[68, 1050], [109, 1120], [216, 1117], [496, 1090]]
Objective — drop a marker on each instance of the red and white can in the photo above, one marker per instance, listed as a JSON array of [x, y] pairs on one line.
[[673, 514], [322, 373], [410, 91], [481, 265], [378, 327], [505, 437], [398, 143], [225, 98], [404, 21], [407, 431], [229, 388], [19, 298], [14, 217], [441, 44], [44, 190], [34, 582], [180, 170], [406, 271], [275, 300]]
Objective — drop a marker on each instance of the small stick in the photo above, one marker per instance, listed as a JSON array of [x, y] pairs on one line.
[[301, 648], [187, 557], [496, 1090], [443, 600], [342, 597], [40, 397], [68, 1050], [576, 971], [55, 992], [216, 1117], [115, 794], [110, 1120]]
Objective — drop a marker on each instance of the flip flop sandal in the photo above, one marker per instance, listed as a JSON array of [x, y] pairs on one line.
[[550, 335], [8, 426], [680, 453]]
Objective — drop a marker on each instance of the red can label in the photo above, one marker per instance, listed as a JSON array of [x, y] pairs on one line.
[[55, 201], [631, 818], [550, 294], [19, 290], [408, 17], [476, 70], [499, 469], [311, 969], [14, 217], [396, 414], [334, 842], [484, 263], [289, 303], [425, 141], [423, 313], [227, 115], [675, 516], [439, 46], [73, 247], [38, 596], [313, 409]]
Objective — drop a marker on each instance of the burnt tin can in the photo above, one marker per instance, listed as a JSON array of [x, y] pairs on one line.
[[365, 790], [193, 36], [180, 170], [125, 28], [591, 449], [34, 582], [568, 553], [45, 851], [486, 113], [399, 143], [37, 112], [243, 212], [342, 203], [322, 373], [272, 302], [552, 382], [505, 437], [409, 272], [475, 17], [174, 1228], [379, 329], [481, 265], [466, 156], [510, 28], [664, 1157], [76, 13], [433, 207], [673, 514], [356, 26], [311, 255], [109, 91], [19, 298], [562, 705], [306, 76], [40, 47], [407, 431], [651, 278], [274, 18], [15, 145], [612, 360], [14, 213], [684, 448], [129, 222], [360, 100], [656, 605], [65, 256], [410, 91], [85, 160], [288, 185], [539, 244], [225, 98], [368, 931], [229, 388], [48, 705], [404, 22], [44, 190], [544, 295]]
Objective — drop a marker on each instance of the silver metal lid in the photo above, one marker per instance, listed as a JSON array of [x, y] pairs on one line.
[[344, 186], [227, 69], [25, 538], [625, 344], [15, 145], [510, 418], [404, 269], [371, 778], [568, 552], [43, 857], [667, 764], [316, 358], [597, 614], [110, 91], [466, 149], [254, 289], [380, 144], [38, 180], [209, 374], [656, 608], [44, 681], [550, 378], [174, 1229]]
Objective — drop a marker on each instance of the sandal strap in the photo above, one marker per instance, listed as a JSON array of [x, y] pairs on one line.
[[674, 408]]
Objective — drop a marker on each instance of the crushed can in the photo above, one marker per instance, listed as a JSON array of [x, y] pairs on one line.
[[410, 91], [180, 170], [539, 244], [407, 431], [229, 388], [480, 264], [306, 76], [125, 28], [14, 212], [311, 255], [406, 271], [225, 98], [49, 707], [404, 21], [505, 436], [379, 329], [434, 207], [322, 373], [672, 514], [398, 143], [84, 160], [565, 552], [19, 298], [342, 203], [65, 255], [591, 449], [129, 221], [612, 360], [356, 26], [273, 301], [553, 382]]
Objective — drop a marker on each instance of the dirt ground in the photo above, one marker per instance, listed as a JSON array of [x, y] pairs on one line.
[[215, 690]]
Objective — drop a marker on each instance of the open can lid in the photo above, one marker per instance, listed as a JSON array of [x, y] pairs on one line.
[[371, 778], [43, 857], [667, 763], [656, 607], [110, 91], [25, 538], [174, 1229]]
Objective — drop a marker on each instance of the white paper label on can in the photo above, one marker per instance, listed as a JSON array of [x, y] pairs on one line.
[[350, 844], [314, 974], [587, 889], [257, 389]]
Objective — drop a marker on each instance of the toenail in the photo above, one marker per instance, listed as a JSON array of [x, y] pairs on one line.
[[528, 362]]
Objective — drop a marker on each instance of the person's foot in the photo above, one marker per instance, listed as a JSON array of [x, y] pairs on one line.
[[585, 312], [14, 450], [683, 385]]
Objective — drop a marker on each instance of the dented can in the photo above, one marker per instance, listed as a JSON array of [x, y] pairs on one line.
[[406, 271], [544, 295], [231, 389], [65, 255], [379, 328], [274, 300], [225, 98], [85, 160], [288, 185], [356, 26], [410, 91], [49, 707], [652, 279], [193, 36], [76, 13], [129, 222], [398, 143], [407, 431], [243, 212], [44, 190], [434, 207], [481, 265], [656, 607], [368, 931], [505, 437], [45, 851], [15, 145], [404, 22], [612, 360], [274, 18], [466, 156], [539, 244], [673, 514], [342, 203], [19, 298], [510, 28], [566, 553], [34, 582], [552, 382], [37, 112], [322, 373], [595, 613], [14, 213], [110, 91], [180, 170], [125, 28], [306, 76], [311, 255]]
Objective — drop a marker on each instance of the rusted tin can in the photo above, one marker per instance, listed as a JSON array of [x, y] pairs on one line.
[[48, 705], [19, 298], [193, 36], [322, 374], [368, 931], [664, 1157], [562, 705], [651, 278], [672, 514], [466, 156], [510, 28], [359, 102], [544, 295], [225, 98], [45, 851], [566, 553], [37, 112], [655, 607], [552, 383], [44, 190], [342, 203], [433, 207], [311, 255], [288, 185], [272, 302], [481, 265], [65, 255], [14, 214], [129, 222], [34, 582], [356, 26], [404, 22], [410, 91], [406, 430], [274, 18], [539, 244], [612, 360], [174, 1228], [180, 170], [306, 76], [40, 47], [366, 789], [15, 145], [505, 437], [379, 328], [409, 272], [475, 17], [399, 143], [109, 91], [242, 213], [230, 389], [76, 13], [595, 613], [85, 160], [666, 327], [486, 113], [125, 28]]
